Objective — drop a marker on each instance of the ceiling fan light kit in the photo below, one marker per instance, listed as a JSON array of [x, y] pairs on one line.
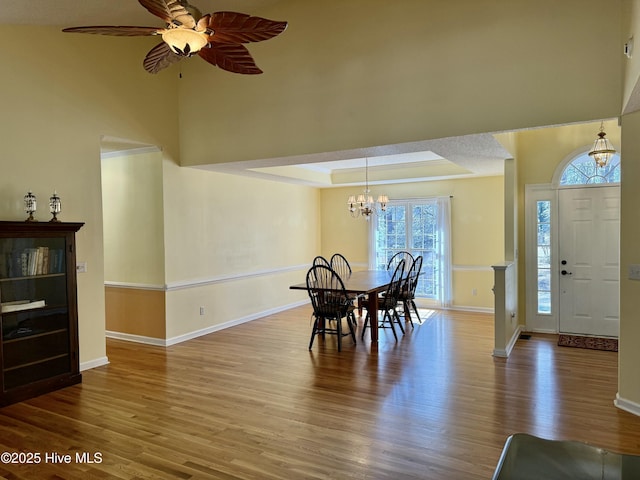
[[217, 38], [184, 42]]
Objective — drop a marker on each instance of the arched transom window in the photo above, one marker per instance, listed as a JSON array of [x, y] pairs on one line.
[[582, 170]]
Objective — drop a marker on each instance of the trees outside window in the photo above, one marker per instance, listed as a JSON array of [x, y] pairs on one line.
[[421, 227]]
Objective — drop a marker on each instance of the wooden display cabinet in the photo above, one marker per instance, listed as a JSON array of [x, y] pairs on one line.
[[38, 314]]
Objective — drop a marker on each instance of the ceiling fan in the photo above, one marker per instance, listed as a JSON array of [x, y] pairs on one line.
[[215, 37]]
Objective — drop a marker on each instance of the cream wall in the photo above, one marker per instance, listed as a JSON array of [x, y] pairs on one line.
[[227, 244], [631, 78], [436, 71], [59, 96], [233, 245], [363, 73], [477, 224], [538, 154], [629, 354], [133, 218]]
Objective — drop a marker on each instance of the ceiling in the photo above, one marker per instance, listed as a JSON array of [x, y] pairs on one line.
[[454, 157], [472, 155], [76, 13]]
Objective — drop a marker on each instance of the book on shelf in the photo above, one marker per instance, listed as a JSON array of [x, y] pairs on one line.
[[21, 305], [45, 260], [34, 261]]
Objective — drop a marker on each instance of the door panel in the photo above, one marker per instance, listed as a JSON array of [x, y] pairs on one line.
[[589, 243]]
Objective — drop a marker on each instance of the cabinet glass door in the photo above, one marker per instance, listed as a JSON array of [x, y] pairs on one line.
[[34, 309]]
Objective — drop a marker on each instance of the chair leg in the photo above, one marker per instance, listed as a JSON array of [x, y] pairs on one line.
[[397, 317], [339, 331], [351, 320], [407, 313], [364, 326], [406, 310], [313, 332], [415, 309], [393, 329]]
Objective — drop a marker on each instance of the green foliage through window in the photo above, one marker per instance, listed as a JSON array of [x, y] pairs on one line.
[[583, 171], [543, 217], [411, 227]]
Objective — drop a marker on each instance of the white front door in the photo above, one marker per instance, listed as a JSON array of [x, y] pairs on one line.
[[588, 263]]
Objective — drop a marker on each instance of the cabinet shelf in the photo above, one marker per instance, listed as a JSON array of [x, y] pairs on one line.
[[44, 309], [36, 362], [39, 335], [31, 277], [34, 335]]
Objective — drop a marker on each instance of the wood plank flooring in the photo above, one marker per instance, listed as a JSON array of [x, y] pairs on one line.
[[251, 402]]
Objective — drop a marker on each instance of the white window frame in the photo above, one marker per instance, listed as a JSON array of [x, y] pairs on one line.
[[420, 300], [540, 322]]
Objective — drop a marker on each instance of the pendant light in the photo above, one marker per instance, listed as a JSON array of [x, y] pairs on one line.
[[602, 149]]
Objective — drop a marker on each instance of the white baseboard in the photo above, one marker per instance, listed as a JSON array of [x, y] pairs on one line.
[[431, 304], [542, 330], [161, 342], [128, 337], [462, 308], [98, 362], [627, 405], [504, 353]]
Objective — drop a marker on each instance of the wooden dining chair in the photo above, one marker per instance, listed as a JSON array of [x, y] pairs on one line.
[[388, 303], [320, 260], [402, 255], [408, 290], [340, 265], [330, 304]]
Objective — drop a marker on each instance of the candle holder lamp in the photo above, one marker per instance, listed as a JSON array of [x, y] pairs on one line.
[[30, 206], [54, 206]]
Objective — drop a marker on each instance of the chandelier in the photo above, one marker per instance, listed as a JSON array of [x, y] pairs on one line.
[[602, 149], [363, 204]]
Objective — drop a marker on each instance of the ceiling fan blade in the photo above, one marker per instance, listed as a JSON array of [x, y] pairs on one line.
[[159, 58], [171, 11], [233, 27], [115, 30], [231, 57]]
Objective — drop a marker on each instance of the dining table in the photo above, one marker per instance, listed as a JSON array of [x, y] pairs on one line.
[[368, 283]]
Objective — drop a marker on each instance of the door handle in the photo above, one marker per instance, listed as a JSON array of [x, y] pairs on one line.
[[564, 272]]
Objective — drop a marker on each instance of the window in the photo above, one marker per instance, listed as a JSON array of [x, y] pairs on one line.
[[543, 242], [583, 171], [421, 227]]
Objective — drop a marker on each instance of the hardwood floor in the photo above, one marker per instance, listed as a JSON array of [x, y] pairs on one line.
[[251, 402]]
